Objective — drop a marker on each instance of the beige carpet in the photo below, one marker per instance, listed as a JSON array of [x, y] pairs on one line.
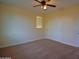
[[41, 49]]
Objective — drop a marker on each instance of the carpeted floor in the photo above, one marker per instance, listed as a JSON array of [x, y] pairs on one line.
[[41, 49]]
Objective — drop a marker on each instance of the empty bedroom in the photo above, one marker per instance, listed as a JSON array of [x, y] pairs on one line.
[[39, 29]]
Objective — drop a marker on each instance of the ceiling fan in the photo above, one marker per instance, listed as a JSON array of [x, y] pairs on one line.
[[45, 3]]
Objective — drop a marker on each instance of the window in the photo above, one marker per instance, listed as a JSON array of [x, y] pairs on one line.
[[39, 22]]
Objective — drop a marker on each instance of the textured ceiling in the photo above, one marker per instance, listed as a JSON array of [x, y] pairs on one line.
[[29, 4]]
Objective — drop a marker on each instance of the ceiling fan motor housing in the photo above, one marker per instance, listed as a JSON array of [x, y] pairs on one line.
[[43, 3]]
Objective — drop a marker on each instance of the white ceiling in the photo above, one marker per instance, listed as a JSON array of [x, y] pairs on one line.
[[29, 4]]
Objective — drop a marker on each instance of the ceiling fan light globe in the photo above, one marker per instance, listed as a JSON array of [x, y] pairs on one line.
[[45, 7]]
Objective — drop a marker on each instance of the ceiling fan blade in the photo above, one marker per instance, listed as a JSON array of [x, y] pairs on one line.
[[51, 5], [47, 0], [36, 5], [51, 2], [37, 1]]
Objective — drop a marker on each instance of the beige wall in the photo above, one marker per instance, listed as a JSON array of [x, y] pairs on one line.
[[18, 26], [60, 25]]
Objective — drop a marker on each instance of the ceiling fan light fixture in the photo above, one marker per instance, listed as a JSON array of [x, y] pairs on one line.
[[44, 7], [45, 3]]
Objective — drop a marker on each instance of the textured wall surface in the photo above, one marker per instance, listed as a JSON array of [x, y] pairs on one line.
[[62, 25], [18, 26]]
